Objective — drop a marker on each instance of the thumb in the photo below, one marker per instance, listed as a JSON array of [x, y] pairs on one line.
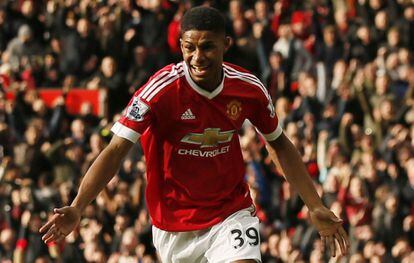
[[61, 211], [328, 215], [331, 216], [337, 219]]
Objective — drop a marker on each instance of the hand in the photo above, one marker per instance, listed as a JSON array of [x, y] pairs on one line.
[[94, 83], [9, 106], [129, 34], [68, 141], [408, 223], [25, 219], [323, 135], [59, 101], [382, 51], [359, 80], [330, 228], [347, 119], [257, 30], [62, 223]]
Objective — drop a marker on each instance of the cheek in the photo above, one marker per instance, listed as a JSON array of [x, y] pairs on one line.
[[216, 56], [186, 55]]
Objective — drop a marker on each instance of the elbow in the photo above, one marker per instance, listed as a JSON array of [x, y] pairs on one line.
[[118, 148]]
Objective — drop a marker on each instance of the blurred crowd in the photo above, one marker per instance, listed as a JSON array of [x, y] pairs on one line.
[[341, 75]]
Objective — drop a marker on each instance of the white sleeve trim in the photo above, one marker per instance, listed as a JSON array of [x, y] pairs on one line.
[[125, 132], [275, 134]]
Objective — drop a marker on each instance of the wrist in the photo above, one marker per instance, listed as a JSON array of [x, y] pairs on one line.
[[313, 208], [79, 207]]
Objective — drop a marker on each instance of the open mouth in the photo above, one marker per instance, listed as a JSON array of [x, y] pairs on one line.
[[198, 70]]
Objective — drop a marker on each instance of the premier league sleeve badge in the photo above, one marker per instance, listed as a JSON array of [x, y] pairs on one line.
[[136, 110]]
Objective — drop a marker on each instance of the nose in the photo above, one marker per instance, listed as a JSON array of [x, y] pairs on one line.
[[198, 56]]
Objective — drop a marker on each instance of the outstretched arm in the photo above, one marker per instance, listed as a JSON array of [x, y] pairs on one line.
[[284, 154], [96, 178], [101, 171]]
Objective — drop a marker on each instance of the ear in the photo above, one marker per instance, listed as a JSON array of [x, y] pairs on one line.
[[181, 44], [227, 43]]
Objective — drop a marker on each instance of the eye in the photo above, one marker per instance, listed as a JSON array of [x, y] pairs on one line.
[[208, 47], [188, 47]]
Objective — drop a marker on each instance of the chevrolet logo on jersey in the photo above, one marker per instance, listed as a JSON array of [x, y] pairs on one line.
[[211, 137]]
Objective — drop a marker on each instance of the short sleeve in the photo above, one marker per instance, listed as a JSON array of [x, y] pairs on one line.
[[138, 115], [135, 119], [265, 118]]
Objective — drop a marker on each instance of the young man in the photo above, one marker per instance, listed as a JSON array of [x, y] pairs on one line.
[[187, 116]]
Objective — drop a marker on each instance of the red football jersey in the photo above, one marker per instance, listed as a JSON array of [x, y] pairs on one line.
[[195, 168]]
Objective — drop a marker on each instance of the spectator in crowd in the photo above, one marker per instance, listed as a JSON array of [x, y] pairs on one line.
[[7, 241], [140, 70], [274, 76], [154, 22], [88, 49], [329, 50], [109, 39], [296, 58], [244, 45], [68, 47], [22, 47], [381, 27], [109, 77], [29, 16], [406, 26], [5, 31]]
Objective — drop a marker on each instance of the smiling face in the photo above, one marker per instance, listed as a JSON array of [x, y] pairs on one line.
[[203, 53]]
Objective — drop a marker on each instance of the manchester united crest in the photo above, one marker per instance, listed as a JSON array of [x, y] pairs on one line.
[[234, 109]]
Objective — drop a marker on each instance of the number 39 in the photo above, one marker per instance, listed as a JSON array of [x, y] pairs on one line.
[[238, 237]]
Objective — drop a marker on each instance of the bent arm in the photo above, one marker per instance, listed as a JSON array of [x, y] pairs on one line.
[[284, 154], [101, 171]]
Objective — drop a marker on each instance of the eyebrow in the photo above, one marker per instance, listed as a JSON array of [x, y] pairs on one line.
[[208, 42]]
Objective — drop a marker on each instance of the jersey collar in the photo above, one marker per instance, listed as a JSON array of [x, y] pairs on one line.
[[200, 90]]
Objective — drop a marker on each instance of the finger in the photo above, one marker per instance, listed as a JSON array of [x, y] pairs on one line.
[[323, 239], [54, 230], [341, 243], [345, 239], [331, 241], [52, 238], [328, 232], [53, 235], [46, 236], [61, 233], [329, 216], [60, 210], [60, 238], [49, 233], [336, 219], [47, 226], [326, 245], [344, 235]]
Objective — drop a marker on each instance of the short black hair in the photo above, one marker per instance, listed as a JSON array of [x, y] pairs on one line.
[[204, 19]]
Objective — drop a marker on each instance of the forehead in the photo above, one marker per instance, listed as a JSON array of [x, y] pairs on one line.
[[201, 36]]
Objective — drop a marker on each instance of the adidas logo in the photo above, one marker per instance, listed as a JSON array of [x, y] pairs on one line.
[[188, 115]]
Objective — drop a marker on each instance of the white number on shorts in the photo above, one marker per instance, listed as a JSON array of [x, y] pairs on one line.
[[252, 236]]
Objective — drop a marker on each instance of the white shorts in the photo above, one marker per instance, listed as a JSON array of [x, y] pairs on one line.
[[235, 238]]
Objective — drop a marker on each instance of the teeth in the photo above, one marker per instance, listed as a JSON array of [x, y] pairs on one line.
[[199, 69]]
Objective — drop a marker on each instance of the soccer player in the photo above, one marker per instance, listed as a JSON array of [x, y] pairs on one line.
[[188, 116]]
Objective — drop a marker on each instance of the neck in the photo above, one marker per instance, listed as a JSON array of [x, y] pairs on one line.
[[211, 84]]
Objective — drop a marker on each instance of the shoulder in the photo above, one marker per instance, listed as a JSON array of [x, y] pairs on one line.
[[234, 67], [161, 81], [246, 78], [171, 69], [14, 42]]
